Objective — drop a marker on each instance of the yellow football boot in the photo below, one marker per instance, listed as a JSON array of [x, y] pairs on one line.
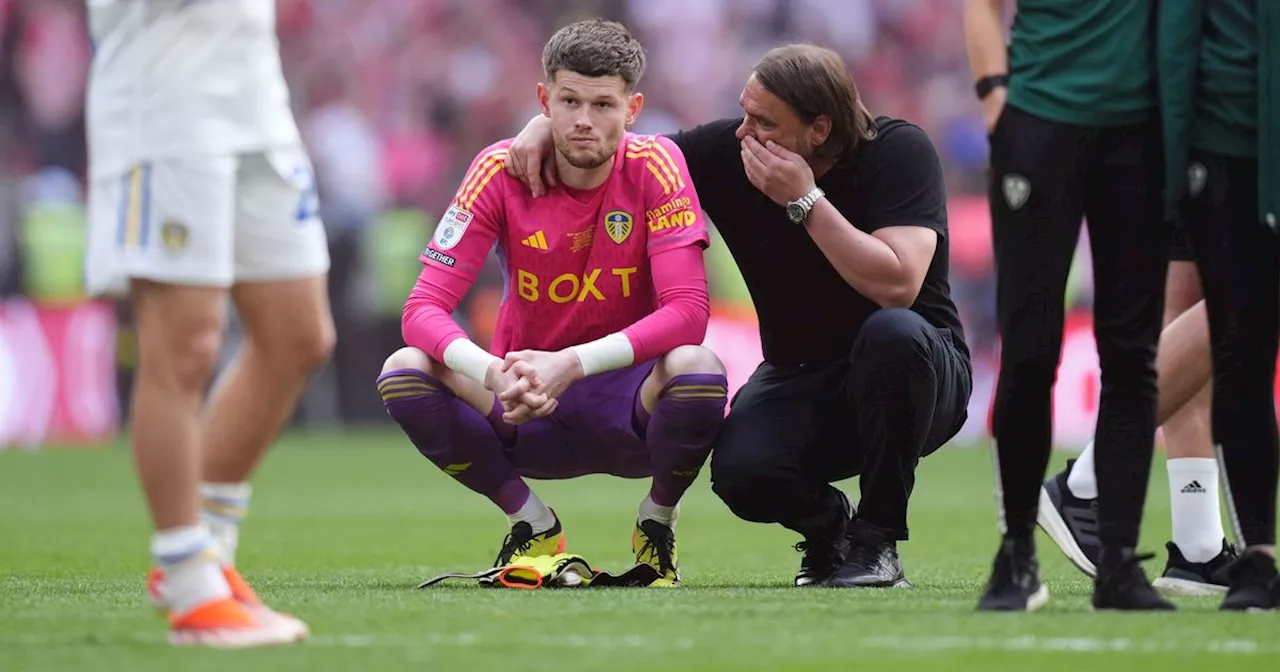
[[523, 542], [655, 545]]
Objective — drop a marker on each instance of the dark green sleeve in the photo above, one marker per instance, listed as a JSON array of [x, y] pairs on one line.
[[1178, 26]]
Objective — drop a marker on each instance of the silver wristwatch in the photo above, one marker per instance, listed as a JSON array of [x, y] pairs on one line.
[[799, 209]]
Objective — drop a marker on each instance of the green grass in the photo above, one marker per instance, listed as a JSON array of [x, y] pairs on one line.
[[344, 525]]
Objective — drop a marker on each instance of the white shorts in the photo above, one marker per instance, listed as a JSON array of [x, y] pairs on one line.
[[207, 221]]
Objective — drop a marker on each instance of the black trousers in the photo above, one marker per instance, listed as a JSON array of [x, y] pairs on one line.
[[792, 431], [1239, 260], [1045, 177]]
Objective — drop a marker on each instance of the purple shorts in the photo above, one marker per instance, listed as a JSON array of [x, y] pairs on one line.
[[592, 432]]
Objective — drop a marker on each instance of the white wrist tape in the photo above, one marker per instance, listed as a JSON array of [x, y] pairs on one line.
[[469, 359], [605, 354]]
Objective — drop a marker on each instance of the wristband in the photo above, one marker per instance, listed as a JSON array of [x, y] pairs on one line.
[[469, 359], [605, 354]]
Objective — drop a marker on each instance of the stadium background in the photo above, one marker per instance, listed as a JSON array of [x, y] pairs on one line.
[[394, 98]]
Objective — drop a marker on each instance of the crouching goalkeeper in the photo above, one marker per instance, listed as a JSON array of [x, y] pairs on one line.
[[605, 302]]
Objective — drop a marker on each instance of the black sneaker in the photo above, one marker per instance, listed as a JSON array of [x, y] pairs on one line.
[[1015, 579], [1071, 522], [872, 561], [1121, 584], [1254, 586], [1183, 577], [825, 549]]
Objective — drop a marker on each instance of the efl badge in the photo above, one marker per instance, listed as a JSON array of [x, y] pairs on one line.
[[618, 225], [451, 227], [1016, 190]]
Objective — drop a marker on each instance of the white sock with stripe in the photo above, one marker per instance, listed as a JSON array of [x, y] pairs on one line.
[[223, 507], [188, 556]]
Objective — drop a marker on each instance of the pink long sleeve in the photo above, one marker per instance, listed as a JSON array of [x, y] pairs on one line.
[[427, 322], [680, 282], [452, 260]]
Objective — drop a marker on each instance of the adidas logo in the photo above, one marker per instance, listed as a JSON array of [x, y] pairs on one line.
[[1192, 488], [537, 241]]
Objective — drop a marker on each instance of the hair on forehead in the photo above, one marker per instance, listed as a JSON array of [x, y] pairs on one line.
[[814, 81], [595, 48]]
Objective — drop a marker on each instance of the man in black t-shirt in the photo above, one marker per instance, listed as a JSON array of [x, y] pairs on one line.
[[837, 221]]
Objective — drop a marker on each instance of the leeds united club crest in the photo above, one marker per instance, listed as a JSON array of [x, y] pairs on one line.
[[618, 225], [174, 236]]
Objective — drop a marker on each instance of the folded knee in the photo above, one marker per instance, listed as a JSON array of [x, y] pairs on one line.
[[407, 391], [690, 388], [892, 335], [750, 496], [690, 360], [408, 358]]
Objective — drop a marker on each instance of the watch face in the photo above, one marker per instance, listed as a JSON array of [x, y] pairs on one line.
[[795, 212]]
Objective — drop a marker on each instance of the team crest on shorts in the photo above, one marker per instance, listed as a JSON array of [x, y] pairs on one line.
[[174, 236], [451, 227], [1017, 189], [618, 225]]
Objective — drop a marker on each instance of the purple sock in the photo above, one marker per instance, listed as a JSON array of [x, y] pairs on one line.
[[456, 438], [684, 425]]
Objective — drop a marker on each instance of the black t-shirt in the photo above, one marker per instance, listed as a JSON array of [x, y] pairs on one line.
[[807, 312]]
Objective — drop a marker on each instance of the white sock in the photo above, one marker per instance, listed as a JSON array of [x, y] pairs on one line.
[[1081, 481], [188, 556], [1197, 514], [223, 507], [534, 512], [666, 515]]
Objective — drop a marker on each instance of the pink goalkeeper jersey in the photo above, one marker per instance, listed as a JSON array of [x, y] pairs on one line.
[[577, 264]]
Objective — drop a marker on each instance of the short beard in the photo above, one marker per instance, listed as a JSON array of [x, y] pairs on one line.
[[582, 161]]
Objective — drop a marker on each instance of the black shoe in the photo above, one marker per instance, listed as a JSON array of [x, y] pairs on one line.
[[1183, 577], [1254, 586], [1015, 579], [1071, 522], [872, 561], [1122, 585], [825, 548]]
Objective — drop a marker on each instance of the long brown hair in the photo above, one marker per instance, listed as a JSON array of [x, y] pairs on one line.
[[814, 81]]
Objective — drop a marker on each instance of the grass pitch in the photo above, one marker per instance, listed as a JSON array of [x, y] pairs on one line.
[[344, 525]]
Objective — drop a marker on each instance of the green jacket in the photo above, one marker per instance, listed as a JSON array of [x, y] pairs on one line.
[[1178, 44]]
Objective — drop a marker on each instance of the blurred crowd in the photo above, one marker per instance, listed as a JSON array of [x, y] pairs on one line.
[[395, 97]]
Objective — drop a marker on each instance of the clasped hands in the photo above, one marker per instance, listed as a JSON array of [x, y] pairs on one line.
[[529, 382]]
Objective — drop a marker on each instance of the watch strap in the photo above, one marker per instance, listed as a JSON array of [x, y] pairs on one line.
[[984, 86]]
